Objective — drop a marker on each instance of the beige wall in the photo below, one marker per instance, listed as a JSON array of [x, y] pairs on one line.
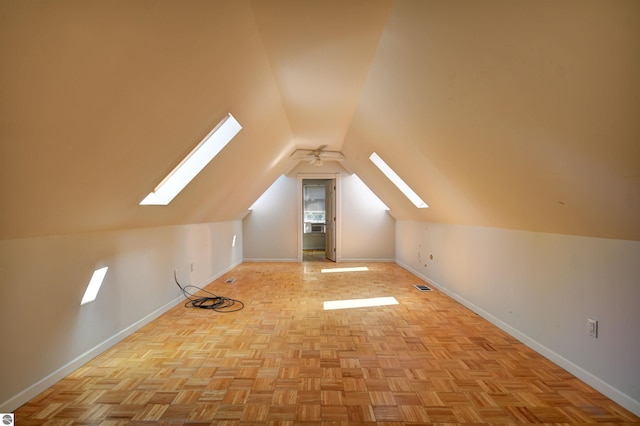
[[541, 288], [46, 334], [366, 230]]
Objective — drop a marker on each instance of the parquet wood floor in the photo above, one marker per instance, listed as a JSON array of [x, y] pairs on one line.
[[284, 360]]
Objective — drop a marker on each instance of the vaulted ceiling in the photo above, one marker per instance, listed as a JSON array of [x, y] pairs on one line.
[[520, 115]]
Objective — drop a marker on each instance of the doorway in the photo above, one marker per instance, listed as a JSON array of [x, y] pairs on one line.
[[318, 221]]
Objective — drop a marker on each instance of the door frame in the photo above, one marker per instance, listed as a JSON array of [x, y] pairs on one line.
[[300, 224]]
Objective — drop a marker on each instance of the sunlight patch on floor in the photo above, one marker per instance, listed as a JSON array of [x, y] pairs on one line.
[[359, 303], [353, 269]]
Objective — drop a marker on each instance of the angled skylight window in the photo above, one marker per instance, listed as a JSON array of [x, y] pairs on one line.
[[193, 163], [397, 181], [93, 287]]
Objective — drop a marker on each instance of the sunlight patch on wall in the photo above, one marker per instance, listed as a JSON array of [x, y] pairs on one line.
[[372, 198], [94, 285], [359, 303], [268, 196]]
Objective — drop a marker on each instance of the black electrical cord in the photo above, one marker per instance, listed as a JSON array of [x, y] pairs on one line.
[[213, 302]]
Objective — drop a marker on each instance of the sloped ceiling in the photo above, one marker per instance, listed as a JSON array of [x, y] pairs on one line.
[[520, 115]]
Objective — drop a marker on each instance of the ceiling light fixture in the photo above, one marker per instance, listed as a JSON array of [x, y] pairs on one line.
[[193, 163], [397, 181], [317, 156]]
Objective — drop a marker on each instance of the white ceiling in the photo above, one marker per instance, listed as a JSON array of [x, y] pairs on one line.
[[520, 115]]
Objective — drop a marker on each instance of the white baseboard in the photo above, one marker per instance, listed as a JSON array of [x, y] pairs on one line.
[[601, 386], [219, 274], [34, 390]]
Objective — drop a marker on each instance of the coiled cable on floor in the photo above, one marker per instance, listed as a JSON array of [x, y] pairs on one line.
[[213, 301]]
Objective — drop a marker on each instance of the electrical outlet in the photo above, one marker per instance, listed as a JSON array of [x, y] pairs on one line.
[[592, 327]]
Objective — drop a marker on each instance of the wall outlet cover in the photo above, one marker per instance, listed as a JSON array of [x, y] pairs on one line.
[[592, 327]]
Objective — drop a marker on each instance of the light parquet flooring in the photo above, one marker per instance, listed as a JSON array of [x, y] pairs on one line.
[[284, 360]]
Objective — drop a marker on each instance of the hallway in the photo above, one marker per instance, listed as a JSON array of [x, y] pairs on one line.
[[314, 256]]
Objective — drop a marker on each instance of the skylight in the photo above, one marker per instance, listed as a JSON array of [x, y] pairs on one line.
[[397, 181], [193, 163], [93, 287]]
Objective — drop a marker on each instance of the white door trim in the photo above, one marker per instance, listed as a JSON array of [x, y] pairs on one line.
[[300, 224]]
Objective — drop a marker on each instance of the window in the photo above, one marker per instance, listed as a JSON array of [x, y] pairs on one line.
[[314, 208]]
